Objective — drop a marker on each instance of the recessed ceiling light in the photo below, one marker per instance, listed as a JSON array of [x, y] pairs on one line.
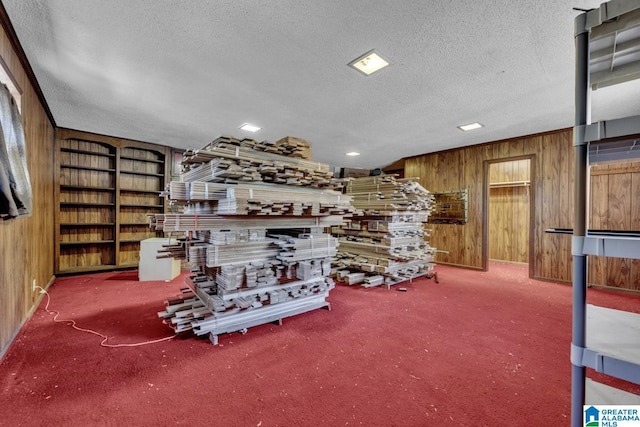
[[352, 153], [470, 126], [250, 128], [369, 63]]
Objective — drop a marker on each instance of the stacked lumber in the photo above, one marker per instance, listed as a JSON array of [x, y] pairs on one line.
[[287, 146], [256, 199], [294, 147], [388, 243], [307, 247], [231, 161], [388, 195], [194, 222], [254, 217]]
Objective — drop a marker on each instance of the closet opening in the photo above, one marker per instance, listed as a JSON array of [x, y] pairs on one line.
[[508, 212]]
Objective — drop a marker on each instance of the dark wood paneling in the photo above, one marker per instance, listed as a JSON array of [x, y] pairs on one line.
[[634, 279], [599, 185], [473, 171], [614, 205], [551, 149], [27, 243], [509, 224], [552, 185], [509, 208]]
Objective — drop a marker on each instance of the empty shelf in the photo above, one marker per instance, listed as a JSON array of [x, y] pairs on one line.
[[613, 343], [612, 246], [601, 394], [615, 47]]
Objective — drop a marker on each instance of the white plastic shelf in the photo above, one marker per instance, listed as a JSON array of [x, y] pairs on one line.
[[614, 43], [601, 394], [612, 246], [613, 343]]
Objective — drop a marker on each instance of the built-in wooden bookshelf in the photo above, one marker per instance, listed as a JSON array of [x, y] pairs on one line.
[[107, 187]]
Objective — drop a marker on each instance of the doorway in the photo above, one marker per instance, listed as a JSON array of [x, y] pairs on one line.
[[508, 212]]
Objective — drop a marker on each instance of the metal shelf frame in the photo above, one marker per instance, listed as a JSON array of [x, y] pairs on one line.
[[607, 42]]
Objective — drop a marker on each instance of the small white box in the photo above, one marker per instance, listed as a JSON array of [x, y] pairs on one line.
[[152, 268]]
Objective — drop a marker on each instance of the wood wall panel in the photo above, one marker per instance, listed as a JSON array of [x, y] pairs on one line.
[[473, 171], [599, 185], [614, 204], [551, 176], [509, 224], [614, 192], [509, 209], [619, 200], [27, 243], [552, 186], [509, 171], [634, 277]]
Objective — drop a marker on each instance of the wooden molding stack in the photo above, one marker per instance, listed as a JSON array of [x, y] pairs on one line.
[[389, 239], [257, 199], [232, 161], [254, 216]]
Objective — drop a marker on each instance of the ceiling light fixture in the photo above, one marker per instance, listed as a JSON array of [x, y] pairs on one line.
[[250, 128], [369, 63], [470, 126], [352, 153]]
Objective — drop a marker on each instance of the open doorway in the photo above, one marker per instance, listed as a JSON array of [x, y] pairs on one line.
[[508, 212]]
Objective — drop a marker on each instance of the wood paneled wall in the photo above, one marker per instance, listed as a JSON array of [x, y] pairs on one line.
[[509, 212], [615, 205], [552, 174], [510, 171], [27, 243]]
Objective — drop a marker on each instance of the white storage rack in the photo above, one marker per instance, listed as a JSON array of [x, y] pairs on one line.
[[607, 53]]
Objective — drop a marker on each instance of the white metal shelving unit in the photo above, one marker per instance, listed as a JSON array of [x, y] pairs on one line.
[[607, 53]]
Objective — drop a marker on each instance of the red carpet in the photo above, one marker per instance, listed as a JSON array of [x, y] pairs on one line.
[[477, 349]]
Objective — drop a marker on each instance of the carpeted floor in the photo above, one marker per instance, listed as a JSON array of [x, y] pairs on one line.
[[478, 349]]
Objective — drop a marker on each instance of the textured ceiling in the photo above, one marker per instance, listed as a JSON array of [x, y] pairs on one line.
[[181, 73]]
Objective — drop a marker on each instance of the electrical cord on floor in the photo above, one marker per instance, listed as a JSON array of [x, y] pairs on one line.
[[104, 337]]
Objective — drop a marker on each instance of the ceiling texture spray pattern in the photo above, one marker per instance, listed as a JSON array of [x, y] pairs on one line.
[[183, 73]]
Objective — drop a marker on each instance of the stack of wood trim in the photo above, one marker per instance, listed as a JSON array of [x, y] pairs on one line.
[[179, 222], [258, 199], [236, 235], [306, 247], [199, 311], [309, 269], [371, 281], [287, 146], [419, 250], [224, 160], [291, 146], [214, 191], [387, 195], [218, 255], [388, 239], [242, 275], [354, 278]]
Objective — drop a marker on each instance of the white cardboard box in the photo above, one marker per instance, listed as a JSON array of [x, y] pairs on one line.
[[152, 268]]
